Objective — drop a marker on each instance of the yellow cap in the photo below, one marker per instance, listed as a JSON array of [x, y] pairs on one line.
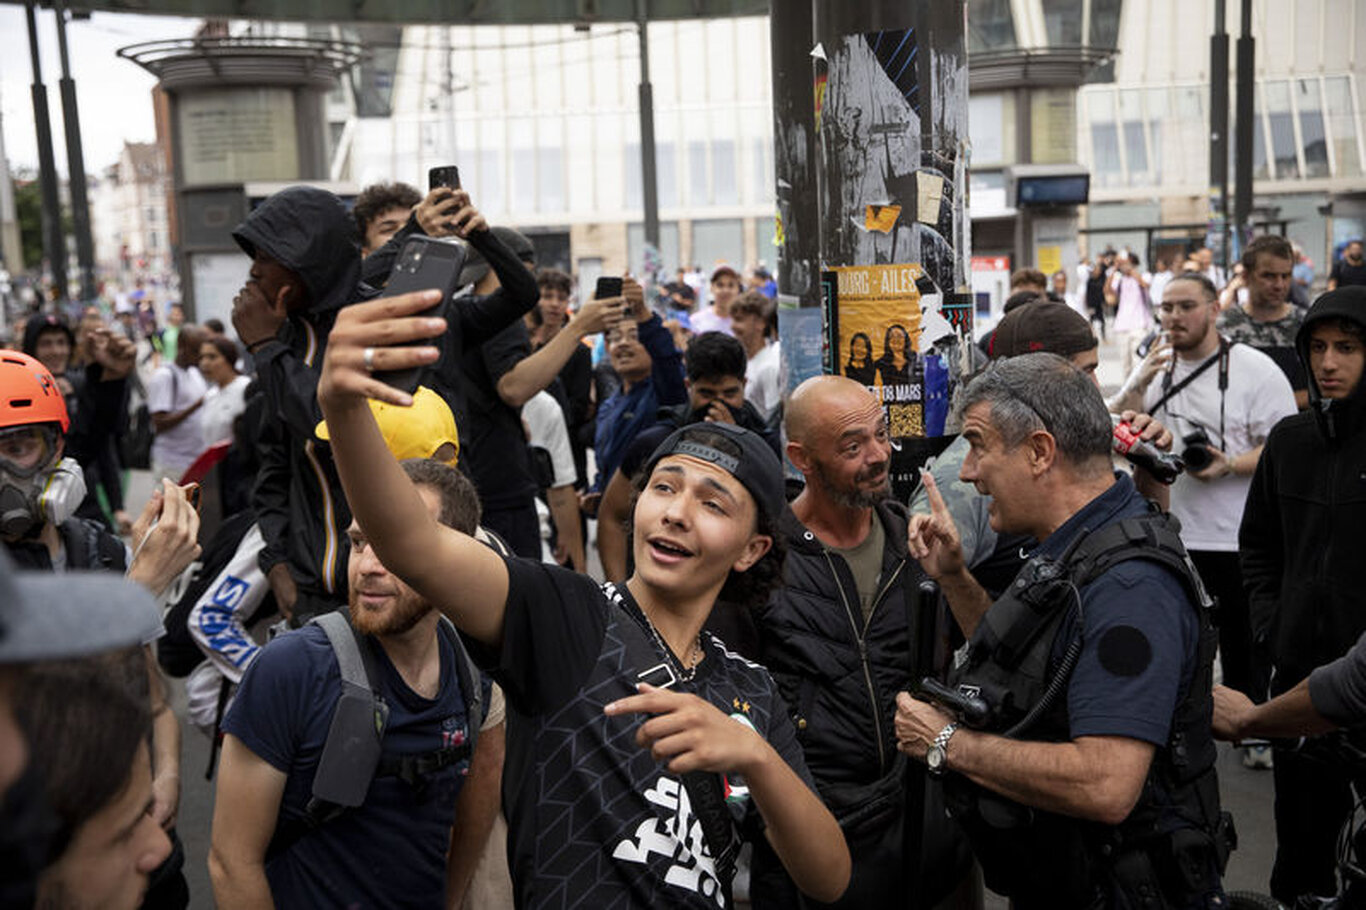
[[416, 431]]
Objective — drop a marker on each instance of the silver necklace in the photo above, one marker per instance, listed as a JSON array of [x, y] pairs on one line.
[[685, 673]]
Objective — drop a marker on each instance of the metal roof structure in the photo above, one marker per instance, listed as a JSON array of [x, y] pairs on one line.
[[449, 12]]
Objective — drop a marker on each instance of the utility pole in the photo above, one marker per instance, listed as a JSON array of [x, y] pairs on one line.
[[794, 157], [54, 243], [649, 181], [1242, 198], [75, 164], [1218, 128]]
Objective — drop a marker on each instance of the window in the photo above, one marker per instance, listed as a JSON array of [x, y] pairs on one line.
[[717, 241], [1313, 141], [489, 182], [1282, 122], [990, 25], [697, 174], [1062, 19], [1105, 23], [1135, 145], [1342, 126], [723, 172], [666, 176], [550, 179], [1105, 162], [1158, 114], [522, 138]]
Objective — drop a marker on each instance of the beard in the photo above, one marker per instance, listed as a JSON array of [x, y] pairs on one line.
[[404, 611], [857, 497]]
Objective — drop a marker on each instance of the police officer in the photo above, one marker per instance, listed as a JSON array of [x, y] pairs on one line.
[[1080, 760]]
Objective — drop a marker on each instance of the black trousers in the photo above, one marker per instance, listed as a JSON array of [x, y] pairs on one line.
[[1223, 579], [1313, 799]]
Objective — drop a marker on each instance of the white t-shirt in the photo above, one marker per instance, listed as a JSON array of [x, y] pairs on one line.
[[546, 429], [761, 380], [1258, 396], [222, 404], [174, 388], [708, 320]]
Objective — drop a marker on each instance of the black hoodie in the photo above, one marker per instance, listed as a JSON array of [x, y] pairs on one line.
[[299, 499], [1301, 535]]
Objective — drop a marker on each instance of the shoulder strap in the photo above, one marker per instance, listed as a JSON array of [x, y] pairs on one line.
[[1154, 537], [351, 752], [353, 658], [1170, 391], [471, 681]]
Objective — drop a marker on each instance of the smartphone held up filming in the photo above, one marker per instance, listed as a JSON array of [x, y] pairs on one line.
[[447, 176], [423, 264]]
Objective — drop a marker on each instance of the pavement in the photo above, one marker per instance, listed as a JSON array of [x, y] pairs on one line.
[[1246, 793]]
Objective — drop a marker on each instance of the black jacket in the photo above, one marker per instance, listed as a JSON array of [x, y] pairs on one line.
[[1300, 538], [298, 496], [838, 677]]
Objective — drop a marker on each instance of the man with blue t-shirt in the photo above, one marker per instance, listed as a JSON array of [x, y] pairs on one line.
[[398, 848], [1083, 772]]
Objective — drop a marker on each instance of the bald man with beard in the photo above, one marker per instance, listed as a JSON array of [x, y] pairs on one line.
[[837, 637]]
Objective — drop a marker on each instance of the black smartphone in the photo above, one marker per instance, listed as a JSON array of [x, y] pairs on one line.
[[448, 176], [424, 263], [607, 287]]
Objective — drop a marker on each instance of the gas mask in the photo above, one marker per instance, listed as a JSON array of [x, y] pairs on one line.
[[31, 493]]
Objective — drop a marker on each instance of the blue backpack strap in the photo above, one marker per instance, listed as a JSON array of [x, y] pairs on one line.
[[471, 681]]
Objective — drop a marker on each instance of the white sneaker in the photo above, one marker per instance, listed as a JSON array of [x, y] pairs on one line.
[[1257, 757]]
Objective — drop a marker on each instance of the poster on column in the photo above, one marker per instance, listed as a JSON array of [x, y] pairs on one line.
[[874, 326]]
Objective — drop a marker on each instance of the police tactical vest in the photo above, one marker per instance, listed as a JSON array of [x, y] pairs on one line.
[[1042, 859]]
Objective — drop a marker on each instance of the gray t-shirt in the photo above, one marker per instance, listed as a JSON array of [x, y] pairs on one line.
[[865, 562], [1338, 689]]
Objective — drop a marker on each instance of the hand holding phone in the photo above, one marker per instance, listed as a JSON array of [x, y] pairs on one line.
[[423, 264]]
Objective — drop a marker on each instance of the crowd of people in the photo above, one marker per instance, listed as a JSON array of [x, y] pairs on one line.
[[423, 691]]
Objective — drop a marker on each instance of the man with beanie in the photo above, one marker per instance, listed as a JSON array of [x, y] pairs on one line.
[[1300, 547]]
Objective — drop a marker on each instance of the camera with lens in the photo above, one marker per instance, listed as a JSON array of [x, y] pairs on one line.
[[1194, 453]]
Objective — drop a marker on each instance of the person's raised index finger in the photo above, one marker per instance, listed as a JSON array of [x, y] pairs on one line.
[[937, 507]]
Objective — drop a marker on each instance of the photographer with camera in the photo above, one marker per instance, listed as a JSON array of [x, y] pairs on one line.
[[1221, 399]]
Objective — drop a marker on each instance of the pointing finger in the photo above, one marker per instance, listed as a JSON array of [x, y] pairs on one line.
[[937, 507]]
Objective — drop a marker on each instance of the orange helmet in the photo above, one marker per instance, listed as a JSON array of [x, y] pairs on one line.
[[28, 393]]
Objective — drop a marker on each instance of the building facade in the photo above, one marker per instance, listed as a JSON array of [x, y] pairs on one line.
[[129, 218], [1145, 134]]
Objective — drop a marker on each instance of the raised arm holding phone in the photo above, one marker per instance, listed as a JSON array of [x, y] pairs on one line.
[[574, 658]]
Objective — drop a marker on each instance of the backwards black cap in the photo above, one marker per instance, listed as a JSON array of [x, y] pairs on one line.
[[742, 454]]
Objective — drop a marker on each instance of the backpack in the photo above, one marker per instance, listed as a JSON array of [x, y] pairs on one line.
[[352, 753]]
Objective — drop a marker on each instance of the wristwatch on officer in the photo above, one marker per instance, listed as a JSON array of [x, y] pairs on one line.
[[937, 757]]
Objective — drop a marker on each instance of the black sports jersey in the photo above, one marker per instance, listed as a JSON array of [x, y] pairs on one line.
[[594, 820]]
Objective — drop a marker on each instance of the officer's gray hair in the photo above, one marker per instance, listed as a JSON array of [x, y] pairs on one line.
[[1041, 391]]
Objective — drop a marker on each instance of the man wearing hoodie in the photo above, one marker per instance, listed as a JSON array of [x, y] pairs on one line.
[[306, 266], [1300, 546]]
